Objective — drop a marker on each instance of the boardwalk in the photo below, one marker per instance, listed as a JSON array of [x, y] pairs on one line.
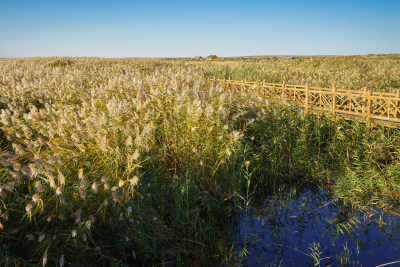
[[366, 105]]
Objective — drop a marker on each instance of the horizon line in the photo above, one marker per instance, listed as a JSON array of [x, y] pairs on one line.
[[185, 57]]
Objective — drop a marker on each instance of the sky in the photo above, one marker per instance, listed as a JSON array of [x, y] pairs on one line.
[[163, 28]]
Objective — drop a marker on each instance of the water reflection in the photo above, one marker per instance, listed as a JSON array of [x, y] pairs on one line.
[[311, 228]]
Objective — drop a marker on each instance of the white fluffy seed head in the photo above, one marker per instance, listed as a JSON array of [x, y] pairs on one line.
[[58, 191], [28, 208], [36, 198], [61, 178], [62, 260], [45, 258], [134, 180], [136, 155], [41, 238], [128, 141], [38, 186], [88, 224], [80, 174], [95, 188], [52, 181]]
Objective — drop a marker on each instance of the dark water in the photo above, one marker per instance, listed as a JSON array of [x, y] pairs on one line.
[[313, 229]]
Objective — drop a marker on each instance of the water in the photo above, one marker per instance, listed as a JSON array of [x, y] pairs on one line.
[[311, 228]]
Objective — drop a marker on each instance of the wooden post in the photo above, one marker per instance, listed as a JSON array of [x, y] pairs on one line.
[[366, 98], [307, 91], [283, 88], [369, 107], [398, 103], [334, 90]]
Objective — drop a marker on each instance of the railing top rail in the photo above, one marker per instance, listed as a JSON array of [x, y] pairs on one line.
[[385, 98]]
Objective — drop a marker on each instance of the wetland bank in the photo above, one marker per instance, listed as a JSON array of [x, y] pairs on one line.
[[142, 162]]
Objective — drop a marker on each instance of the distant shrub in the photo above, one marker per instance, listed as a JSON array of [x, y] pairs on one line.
[[61, 63]]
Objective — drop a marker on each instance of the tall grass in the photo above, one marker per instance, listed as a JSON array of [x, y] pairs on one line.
[[143, 162]]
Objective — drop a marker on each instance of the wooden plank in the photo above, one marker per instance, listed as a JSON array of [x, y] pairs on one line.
[[385, 118], [294, 86], [323, 109], [320, 89], [386, 98], [384, 94], [348, 112], [321, 92], [350, 91], [274, 84]]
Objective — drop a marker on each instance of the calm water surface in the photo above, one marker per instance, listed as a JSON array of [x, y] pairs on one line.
[[311, 228]]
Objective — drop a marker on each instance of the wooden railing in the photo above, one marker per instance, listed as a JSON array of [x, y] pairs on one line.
[[365, 105]]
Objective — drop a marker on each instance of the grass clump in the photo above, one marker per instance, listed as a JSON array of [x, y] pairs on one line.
[[61, 63]]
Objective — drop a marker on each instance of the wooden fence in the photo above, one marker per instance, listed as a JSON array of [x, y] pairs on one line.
[[366, 105]]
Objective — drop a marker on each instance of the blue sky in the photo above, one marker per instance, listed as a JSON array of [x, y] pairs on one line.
[[155, 28]]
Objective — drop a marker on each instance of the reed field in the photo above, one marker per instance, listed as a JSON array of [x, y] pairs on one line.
[[142, 162]]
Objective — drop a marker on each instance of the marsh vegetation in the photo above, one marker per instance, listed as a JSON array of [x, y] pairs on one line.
[[141, 162]]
